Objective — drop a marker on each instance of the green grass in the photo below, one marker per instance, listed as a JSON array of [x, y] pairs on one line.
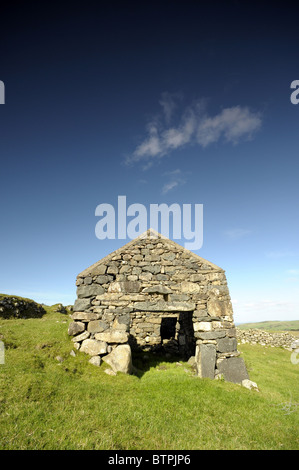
[[47, 404]]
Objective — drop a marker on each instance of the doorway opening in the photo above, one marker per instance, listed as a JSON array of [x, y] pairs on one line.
[[168, 328], [177, 334]]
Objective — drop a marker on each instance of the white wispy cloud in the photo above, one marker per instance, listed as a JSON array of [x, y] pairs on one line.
[[169, 186], [236, 233], [264, 310], [232, 123], [293, 275], [193, 126], [292, 279], [150, 147], [175, 178], [293, 271], [169, 103], [280, 254]]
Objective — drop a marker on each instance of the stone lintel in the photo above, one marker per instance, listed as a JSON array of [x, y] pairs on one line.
[[161, 306]]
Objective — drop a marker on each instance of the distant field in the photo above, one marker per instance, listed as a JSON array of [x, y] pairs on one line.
[[272, 326]]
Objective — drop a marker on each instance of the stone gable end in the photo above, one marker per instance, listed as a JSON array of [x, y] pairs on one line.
[[152, 294]]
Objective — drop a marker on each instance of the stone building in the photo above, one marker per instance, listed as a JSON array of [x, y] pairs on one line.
[[154, 295]]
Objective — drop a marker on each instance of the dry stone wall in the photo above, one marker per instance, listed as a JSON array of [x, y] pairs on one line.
[[266, 338], [152, 294], [17, 307]]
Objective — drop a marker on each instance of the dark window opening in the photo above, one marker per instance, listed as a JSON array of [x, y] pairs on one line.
[[168, 329]]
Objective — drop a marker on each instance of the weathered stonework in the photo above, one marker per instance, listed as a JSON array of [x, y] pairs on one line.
[[283, 340], [152, 294], [17, 307]]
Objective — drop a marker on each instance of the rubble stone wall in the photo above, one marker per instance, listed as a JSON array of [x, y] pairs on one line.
[[17, 307], [266, 338], [130, 297]]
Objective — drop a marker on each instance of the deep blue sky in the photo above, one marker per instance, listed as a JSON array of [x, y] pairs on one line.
[[175, 102]]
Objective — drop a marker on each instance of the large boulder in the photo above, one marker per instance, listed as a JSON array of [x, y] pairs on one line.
[[89, 291], [120, 359], [125, 286], [233, 369], [113, 336], [205, 360], [76, 327], [81, 305], [93, 347]]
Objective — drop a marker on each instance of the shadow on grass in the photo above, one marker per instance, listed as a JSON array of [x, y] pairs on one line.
[[144, 361]]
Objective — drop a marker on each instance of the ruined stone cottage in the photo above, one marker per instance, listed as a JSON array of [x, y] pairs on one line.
[[154, 295]]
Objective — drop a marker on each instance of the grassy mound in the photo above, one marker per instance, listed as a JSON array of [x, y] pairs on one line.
[[13, 306]]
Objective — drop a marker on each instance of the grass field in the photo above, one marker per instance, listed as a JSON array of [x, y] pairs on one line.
[[48, 404], [273, 326]]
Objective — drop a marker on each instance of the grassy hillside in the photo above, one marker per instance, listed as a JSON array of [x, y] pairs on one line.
[[273, 326], [52, 400]]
